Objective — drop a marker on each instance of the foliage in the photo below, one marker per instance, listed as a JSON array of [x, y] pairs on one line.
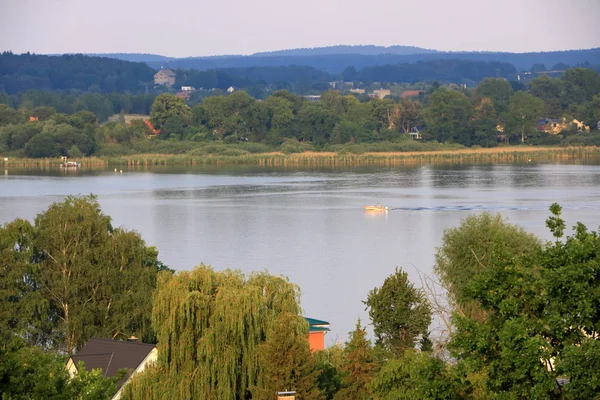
[[476, 245], [80, 277], [210, 328], [286, 360], [399, 312], [416, 375], [21, 72], [542, 320], [28, 372], [359, 366]]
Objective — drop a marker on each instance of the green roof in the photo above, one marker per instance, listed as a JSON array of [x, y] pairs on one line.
[[317, 325]]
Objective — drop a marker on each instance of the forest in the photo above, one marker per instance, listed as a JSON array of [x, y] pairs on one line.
[[335, 59], [520, 318], [74, 74], [548, 111]]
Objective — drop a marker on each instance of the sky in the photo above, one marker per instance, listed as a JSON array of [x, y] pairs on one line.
[[182, 28]]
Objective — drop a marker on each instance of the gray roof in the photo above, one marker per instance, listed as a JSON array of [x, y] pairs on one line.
[[112, 356]]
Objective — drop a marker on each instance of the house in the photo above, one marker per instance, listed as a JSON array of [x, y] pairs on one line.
[[415, 133], [549, 125], [286, 395], [410, 93], [316, 333], [380, 93], [33, 119], [183, 95], [188, 89], [357, 91], [230, 89], [112, 356], [164, 77]]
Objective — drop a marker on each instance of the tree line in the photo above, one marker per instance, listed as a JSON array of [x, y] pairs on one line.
[[76, 73], [493, 113], [520, 320]]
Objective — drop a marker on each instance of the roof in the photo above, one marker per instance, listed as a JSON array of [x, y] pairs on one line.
[[410, 93], [113, 355], [317, 325], [167, 72]]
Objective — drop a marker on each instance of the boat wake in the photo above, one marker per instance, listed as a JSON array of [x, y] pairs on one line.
[[467, 208]]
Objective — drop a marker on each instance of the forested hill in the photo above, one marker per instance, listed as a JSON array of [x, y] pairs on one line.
[[368, 50], [335, 62], [22, 72]]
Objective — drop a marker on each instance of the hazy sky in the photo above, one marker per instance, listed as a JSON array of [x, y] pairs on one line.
[[209, 27]]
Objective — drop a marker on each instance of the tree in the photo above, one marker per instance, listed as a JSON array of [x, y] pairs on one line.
[[286, 361], [499, 90], [542, 319], [548, 90], [409, 112], [579, 85], [210, 326], [447, 117], [399, 312], [167, 106], [359, 366], [28, 372], [523, 112], [485, 123], [81, 278], [418, 376], [471, 248]]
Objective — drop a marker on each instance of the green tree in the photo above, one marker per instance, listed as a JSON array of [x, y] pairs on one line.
[[418, 376], [485, 123], [409, 112], [471, 248], [497, 89], [359, 366], [399, 312], [210, 326], [447, 117], [81, 276], [579, 85], [524, 110], [548, 90], [168, 106], [286, 361], [28, 372], [329, 363], [542, 319]]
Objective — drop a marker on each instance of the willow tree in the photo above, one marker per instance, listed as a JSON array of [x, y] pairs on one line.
[[210, 326]]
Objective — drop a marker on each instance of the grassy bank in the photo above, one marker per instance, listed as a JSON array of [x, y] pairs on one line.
[[457, 156]]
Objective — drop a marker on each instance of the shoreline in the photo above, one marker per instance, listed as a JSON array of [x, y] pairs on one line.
[[456, 156]]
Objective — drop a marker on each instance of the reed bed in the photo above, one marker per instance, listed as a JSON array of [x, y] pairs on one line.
[[511, 154], [466, 156]]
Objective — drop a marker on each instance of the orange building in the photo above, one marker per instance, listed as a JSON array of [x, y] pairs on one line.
[[316, 333]]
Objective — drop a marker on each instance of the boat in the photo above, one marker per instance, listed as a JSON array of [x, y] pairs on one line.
[[70, 164], [376, 207]]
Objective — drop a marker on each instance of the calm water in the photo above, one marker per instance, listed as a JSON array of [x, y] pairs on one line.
[[310, 225]]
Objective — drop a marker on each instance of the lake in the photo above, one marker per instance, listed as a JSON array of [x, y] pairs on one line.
[[309, 225]]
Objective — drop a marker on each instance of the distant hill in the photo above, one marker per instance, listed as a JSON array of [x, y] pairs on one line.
[[333, 61], [134, 57], [21, 72], [367, 50]]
